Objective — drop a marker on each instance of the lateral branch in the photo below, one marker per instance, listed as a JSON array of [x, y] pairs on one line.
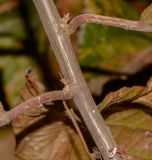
[[109, 21], [7, 116]]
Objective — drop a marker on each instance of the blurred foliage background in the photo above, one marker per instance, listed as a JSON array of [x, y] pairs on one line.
[[110, 58]]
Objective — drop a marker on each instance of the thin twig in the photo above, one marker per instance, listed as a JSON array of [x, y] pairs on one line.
[[76, 127], [96, 154], [109, 21], [8, 116]]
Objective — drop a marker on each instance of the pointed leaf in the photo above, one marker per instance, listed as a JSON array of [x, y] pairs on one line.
[[146, 99], [122, 95], [137, 94]]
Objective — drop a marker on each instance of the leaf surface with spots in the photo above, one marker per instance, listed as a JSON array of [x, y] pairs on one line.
[[107, 49]]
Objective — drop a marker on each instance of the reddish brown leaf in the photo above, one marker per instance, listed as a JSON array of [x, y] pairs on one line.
[[130, 94], [128, 127], [42, 133]]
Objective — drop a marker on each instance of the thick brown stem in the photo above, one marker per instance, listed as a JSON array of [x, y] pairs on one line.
[[70, 69]]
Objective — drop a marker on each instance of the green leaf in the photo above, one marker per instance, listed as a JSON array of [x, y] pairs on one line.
[[115, 8], [13, 75], [12, 31], [110, 48]]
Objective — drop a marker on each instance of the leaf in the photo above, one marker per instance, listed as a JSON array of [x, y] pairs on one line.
[[13, 73], [129, 122], [12, 33], [96, 83], [137, 94], [115, 8], [53, 141], [110, 49], [31, 89], [7, 144], [146, 16], [122, 95], [146, 99], [43, 133], [128, 126]]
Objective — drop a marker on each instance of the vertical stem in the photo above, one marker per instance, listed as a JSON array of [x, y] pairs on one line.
[[61, 45]]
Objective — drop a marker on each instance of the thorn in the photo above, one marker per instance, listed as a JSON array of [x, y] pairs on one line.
[[66, 18], [64, 23]]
